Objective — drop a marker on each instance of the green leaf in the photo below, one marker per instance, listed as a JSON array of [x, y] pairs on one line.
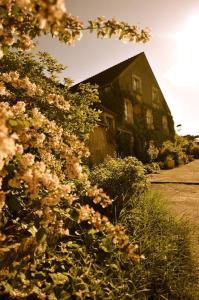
[[92, 231], [59, 278], [73, 245], [52, 296], [5, 49], [3, 12], [15, 9], [12, 122], [114, 266], [33, 230], [14, 204], [103, 247], [41, 235], [40, 275]]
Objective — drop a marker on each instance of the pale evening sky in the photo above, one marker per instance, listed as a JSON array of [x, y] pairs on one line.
[[173, 51]]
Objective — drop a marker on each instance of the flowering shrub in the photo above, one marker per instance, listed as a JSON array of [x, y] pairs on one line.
[[70, 110], [43, 187], [52, 238], [152, 168]]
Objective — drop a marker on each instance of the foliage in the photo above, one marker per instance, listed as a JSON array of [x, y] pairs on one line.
[[152, 152], [179, 151], [75, 114], [152, 168], [120, 179], [184, 143], [168, 270], [188, 145], [50, 230], [44, 196], [195, 151], [145, 139]]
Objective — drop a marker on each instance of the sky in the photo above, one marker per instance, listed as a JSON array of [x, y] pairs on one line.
[[172, 52]]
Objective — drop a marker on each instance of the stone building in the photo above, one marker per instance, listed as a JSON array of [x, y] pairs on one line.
[[134, 111]]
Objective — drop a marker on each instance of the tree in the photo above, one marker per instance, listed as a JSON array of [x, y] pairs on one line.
[[51, 230]]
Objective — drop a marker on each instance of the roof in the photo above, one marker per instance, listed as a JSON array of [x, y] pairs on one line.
[[109, 74]]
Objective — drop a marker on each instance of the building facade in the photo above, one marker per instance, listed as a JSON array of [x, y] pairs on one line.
[[134, 111]]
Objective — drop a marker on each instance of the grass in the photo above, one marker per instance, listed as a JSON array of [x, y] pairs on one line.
[[169, 271]]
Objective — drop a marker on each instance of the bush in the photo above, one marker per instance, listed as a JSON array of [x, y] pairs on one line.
[[195, 151], [152, 152], [121, 179], [168, 268], [48, 231], [173, 151], [152, 168]]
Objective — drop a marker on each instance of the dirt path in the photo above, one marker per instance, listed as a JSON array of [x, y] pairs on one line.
[[180, 186]]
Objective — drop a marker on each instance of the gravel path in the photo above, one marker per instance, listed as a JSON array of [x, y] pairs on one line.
[[180, 186]]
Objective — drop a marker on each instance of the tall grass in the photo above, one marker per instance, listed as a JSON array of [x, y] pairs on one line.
[[168, 268]]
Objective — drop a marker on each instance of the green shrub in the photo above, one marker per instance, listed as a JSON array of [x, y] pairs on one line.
[[152, 152], [195, 151], [120, 179], [175, 151], [168, 269], [152, 168], [185, 143], [89, 267]]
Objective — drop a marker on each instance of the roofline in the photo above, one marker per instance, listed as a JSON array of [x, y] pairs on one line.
[[133, 62], [133, 58]]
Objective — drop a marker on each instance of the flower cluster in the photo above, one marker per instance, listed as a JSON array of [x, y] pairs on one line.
[[116, 232], [122, 30], [3, 90], [13, 79], [59, 101], [8, 148], [7, 140], [52, 17], [99, 196], [50, 141], [37, 16], [47, 160]]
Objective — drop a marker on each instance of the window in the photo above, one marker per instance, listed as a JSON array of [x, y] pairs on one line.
[[128, 111], [165, 123], [110, 128], [125, 142], [136, 84], [110, 122], [149, 119], [155, 95]]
